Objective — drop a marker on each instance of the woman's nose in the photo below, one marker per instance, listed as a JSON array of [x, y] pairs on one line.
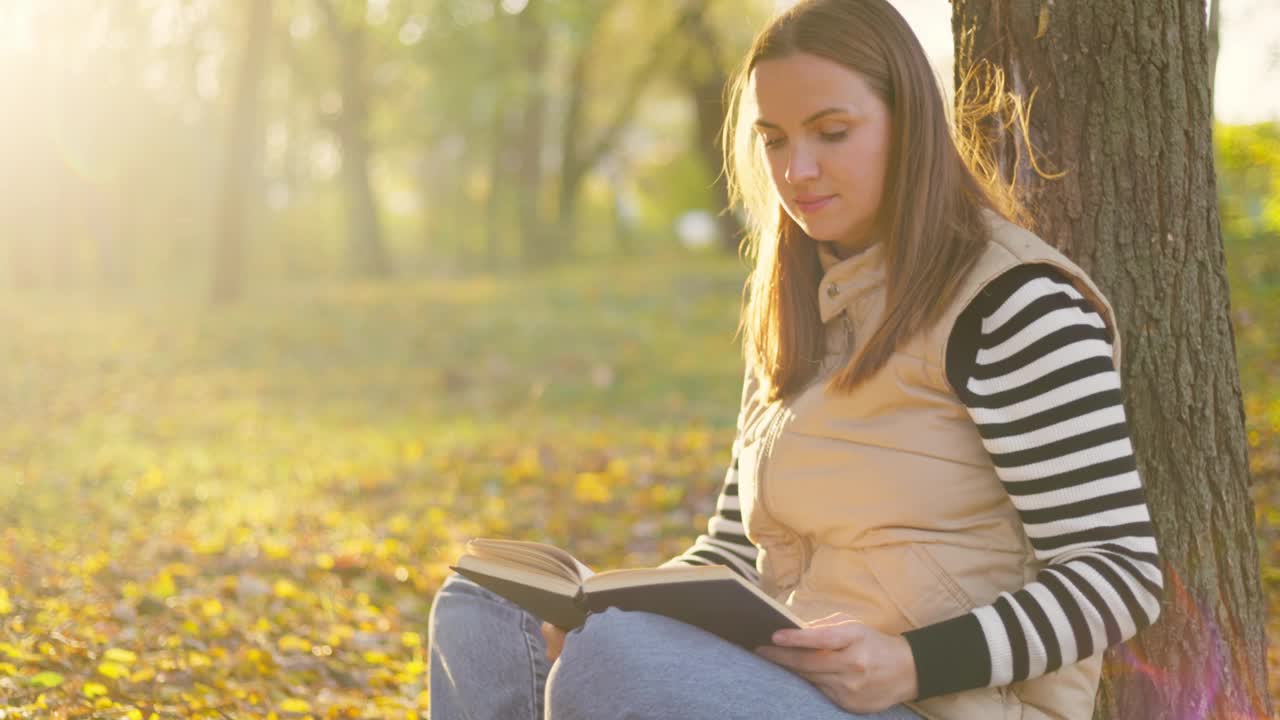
[[802, 166]]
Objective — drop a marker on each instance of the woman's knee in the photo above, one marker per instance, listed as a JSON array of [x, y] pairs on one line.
[[460, 602], [606, 660]]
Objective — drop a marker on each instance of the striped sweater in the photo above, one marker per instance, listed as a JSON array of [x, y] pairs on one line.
[[1031, 360]]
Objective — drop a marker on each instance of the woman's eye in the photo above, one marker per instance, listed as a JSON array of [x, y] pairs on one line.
[[834, 136], [772, 143]]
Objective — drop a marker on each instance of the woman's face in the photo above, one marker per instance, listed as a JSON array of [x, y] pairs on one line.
[[826, 135]]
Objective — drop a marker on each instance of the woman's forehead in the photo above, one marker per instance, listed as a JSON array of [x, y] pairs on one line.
[[793, 88]]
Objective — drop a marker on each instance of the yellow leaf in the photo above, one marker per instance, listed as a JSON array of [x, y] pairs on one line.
[[410, 639], [18, 653], [6, 606], [95, 562], [209, 546], [293, 642], [294, 705], [198, 660], [120, 655], [211, 607], [46, 679], [8, 669], [134, 714], [324, 561], [591, 488], [112, 670], [275, 549], [285, 589], [103, 702], [93, 689], [617, 468], [163, 586], [143, 675], [412, 452], [375, 657]]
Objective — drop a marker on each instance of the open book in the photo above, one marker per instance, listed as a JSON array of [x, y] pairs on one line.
[[551, 584]]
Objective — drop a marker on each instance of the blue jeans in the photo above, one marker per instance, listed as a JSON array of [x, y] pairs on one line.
[[488, 662]]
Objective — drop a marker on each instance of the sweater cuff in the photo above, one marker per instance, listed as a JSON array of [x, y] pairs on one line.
[[950, 656]]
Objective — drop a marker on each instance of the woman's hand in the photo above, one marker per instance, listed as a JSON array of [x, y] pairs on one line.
[[860, 668], [555, 640]]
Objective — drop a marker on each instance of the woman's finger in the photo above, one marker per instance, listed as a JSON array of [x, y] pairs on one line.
[[554, 638]]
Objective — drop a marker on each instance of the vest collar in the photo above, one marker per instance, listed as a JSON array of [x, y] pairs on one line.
[[844, 281]]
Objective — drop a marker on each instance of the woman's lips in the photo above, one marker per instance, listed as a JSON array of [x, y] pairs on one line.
[[814, 206]]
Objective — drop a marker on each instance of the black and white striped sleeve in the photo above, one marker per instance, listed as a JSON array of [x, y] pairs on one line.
[[1031, 359], [725, 542]]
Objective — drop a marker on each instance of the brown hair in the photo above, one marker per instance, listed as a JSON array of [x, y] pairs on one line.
[[930, 216]]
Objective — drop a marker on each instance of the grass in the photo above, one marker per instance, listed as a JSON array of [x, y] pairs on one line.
[[246, 511]]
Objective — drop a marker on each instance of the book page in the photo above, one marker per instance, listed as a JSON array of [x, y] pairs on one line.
[[538, 557]]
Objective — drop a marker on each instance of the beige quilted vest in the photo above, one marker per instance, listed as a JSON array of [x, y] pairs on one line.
[[884, 504]]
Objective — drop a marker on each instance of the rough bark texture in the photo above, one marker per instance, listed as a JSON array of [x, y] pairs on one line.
[[1123, 108]]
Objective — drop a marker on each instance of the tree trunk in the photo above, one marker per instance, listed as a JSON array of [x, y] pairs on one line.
[[228, 263], [493, 216], [578, 161], [1123, 109], [1215, 24], [366, 246], [532, 33], [706, 80]]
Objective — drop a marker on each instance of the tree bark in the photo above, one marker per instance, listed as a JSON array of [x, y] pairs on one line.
[[1123, 109], [228, 263], [1215, 23]]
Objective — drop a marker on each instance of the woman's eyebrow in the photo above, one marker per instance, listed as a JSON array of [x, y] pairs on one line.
[[811, 118]]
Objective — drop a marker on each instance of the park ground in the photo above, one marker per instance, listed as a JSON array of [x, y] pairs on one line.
[[245, 512]]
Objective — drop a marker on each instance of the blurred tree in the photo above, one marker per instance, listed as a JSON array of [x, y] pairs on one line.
[[345, 22], [579, 157], [1122, 103], [1248, 165], [228, 265], [707, 77], [533, 44]]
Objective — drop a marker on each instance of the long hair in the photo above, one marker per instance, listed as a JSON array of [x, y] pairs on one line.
[[930, 216]]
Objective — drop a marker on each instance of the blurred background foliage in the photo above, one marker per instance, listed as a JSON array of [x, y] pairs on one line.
[[298, 295], [382, 139]]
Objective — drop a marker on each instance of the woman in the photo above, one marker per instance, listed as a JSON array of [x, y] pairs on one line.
[[932, 464]]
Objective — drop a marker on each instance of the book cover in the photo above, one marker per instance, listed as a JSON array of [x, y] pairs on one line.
[[553, 586]]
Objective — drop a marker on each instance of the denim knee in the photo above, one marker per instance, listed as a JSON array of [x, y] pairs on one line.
[[602, 638], [602, 667], [455, 603]]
